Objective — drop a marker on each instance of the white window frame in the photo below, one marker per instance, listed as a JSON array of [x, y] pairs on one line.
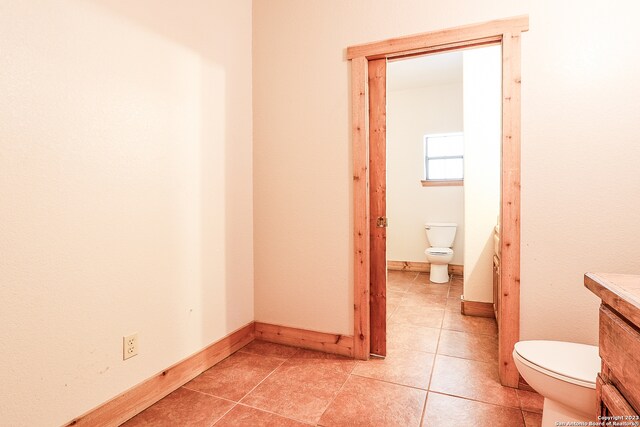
[[426, 181]]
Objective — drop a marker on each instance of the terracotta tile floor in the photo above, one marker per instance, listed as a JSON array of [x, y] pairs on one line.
[[440, 370]]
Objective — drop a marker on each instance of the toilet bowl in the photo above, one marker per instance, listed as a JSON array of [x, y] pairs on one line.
[[564, 374], [439, 258], [440, 236]]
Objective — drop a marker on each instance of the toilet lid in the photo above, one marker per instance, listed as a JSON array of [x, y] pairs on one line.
[[439, 251], [570, 360]]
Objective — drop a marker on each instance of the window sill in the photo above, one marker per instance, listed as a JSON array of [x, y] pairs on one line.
[[443, 183]]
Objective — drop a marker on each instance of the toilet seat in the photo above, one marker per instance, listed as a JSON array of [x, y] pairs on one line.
[[574, 363], [438, 251]]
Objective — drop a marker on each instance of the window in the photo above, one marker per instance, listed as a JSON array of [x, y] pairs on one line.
[[443, 159]]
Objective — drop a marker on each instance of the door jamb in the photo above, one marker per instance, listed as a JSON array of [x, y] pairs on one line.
[[506, 32]]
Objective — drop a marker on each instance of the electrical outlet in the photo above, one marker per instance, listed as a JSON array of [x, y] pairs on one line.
[[130, 346]]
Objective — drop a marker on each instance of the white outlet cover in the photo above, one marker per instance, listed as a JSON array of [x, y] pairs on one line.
[[129, 346]]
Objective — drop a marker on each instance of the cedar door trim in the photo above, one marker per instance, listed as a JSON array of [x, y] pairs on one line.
[[506, 32]]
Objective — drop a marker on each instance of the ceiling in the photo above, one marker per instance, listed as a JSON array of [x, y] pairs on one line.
[[429, 70]]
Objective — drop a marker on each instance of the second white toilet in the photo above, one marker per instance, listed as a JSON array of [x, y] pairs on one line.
[[564, 373], [440, 236]]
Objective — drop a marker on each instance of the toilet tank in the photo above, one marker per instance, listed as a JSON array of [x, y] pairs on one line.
[[440, 234]]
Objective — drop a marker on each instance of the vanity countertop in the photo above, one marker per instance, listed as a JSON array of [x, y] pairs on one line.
[[619, 291]]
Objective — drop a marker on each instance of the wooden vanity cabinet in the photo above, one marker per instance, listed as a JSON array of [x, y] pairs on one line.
[[618, 384]]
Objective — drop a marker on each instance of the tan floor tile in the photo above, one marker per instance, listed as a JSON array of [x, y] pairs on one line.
[[235, 376], [269, 349], [532, 419], [446, 411], [182, 408], [454, 284], [320, 360], [394, 297], [390, 310], [454, 304], [303, 386], [472, 380], [244, 416], [412, 337], [470, 324], [394, 276], [429, 288], [404, 367], [455, 291], [402, 274], [469, 346], [424, 300], [530, 401], [425, 277], [457, 280], [367, 402], [398, 286], [422, 316]]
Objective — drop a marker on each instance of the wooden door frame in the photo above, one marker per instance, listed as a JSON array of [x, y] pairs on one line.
[[507, 33]]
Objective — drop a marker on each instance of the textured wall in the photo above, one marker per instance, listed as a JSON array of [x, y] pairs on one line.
[[580, 115], [482, 88], [126, 194], [411, 114]]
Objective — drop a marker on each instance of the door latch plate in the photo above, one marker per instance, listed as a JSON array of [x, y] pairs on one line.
[[382, 222]]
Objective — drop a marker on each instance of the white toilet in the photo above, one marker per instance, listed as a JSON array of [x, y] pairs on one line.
[[440, 236], [564, 373]]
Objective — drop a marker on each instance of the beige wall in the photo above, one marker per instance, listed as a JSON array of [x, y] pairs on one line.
[[482, 82], [126, 189], [580, 109], [411, 114]]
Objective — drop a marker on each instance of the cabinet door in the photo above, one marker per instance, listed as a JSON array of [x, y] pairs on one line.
[[613, 403], [619, 347]]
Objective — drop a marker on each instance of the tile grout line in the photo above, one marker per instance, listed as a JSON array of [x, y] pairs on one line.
[[519, 407], [224, 415], [265, 378], [208, 394], [465, 358], [422, 415], [246, 405], [475, 400], [220, 397], [391, 382], [270, 374], [433, 368], [215, 397], [337, 393], [282, 361]]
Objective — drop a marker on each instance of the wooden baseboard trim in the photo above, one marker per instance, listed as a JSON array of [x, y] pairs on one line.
[[422, 267], [478, 309], [133, 401], [321, 341], [458, 270]]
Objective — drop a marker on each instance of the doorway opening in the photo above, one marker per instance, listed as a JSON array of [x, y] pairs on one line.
[[443, 126], [368, 78]]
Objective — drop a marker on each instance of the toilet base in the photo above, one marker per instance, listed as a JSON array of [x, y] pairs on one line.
[[554, 412], [439, 273]]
